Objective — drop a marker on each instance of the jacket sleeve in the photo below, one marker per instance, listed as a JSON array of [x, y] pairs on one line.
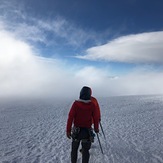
[[98, 109], [94, 100], [95, 118], [70, 118]]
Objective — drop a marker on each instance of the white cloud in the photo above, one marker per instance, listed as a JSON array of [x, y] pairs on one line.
[[60, 28], [92, 76], [136, 83], [49, 31], [18, 66], [139, 48], [22, 73]]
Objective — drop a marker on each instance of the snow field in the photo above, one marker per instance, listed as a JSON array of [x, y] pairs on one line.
[[33, 131], [134, 129]]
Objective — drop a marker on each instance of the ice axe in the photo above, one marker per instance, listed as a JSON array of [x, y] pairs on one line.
[[102, 130], [99, 143]]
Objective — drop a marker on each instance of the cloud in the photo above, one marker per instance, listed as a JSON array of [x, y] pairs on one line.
[[18, 66], [65, 31], [48, 31], [93, 76], [135, 83], [138, 48], [23, 73]]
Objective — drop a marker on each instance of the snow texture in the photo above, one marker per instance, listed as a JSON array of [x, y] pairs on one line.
[[33, 131]]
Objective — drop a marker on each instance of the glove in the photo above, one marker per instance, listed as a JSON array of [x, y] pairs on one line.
[[96, 131], [69, 135]]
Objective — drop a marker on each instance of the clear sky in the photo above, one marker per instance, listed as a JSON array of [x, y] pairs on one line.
[[54, 47]]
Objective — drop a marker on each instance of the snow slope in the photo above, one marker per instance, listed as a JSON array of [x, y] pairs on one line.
[[33, 131]]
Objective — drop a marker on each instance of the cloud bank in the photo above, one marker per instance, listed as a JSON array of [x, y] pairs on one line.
[[138, 48], [25, 73]]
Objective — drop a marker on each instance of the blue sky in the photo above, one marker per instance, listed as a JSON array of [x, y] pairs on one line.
[[55, 46]]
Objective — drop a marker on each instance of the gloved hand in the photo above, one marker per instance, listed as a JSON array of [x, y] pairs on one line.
[[96, 131], [69, 135]]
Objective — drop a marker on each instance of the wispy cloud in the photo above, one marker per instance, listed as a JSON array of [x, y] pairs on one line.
[[138, 48], [68, 32], [49, 31]]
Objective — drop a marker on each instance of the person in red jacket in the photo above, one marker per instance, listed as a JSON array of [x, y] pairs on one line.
[[80, 116]]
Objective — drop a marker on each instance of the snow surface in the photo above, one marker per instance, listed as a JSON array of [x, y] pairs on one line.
[[33, 131]]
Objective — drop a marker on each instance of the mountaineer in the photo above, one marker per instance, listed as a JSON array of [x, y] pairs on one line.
[[79, 124]]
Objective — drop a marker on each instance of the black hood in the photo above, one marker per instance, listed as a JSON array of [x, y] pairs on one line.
[[85, 93]]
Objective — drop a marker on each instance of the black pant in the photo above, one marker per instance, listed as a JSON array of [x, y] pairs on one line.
[[83, 137]]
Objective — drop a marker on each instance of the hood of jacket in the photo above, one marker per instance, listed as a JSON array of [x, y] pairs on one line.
[[85, 93]]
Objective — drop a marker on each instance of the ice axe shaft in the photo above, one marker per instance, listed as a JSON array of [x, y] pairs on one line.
[[102, 130], [99, 143]]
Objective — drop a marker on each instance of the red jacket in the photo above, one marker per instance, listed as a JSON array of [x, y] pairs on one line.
[[81, 114]]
